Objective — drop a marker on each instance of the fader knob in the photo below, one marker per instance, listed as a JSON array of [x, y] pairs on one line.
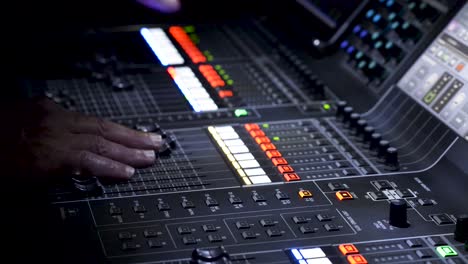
[[368, 131], [382, 148], [461, 229], [340, 106], [374, 141], [398, 213], [391, 158], [361, 125], [347, 114], [353, 119]]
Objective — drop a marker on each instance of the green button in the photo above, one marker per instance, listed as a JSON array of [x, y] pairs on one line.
[[446, 251], [241, 112], [265, 125], [276, 138], [326, 107]]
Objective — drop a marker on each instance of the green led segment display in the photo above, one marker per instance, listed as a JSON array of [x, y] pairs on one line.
[[446, 251]]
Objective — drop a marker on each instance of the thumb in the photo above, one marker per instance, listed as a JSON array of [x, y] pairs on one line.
[[166, 6]]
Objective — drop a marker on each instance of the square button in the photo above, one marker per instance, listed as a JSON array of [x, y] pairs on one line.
[[299, 220], [348, 249], [215, 238], [291, 177], [424, 254], [336, 186], [189, 240], [182, 230], [307, 229], [357, 259], [249, 235], [446, 251], [209, 228], [242, 225], [267, 222], [331, 227], [150, 233], [274, 232], [344, 195], [188, 204], [305, 194], [154, 243], [324, 217]]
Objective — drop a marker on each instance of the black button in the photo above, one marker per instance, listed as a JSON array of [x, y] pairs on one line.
[[281, 196], [383, 185], [150, 233], [307, 229], [273, 232], [258, 198], [324, 217], [413, 243], [188, 204], [214, 238], [248, 235], [235, 200], [299, 220], [442, 219], [348, 172], [209, 228], [424, 253], [125, 235], [336, 186], [242, 225], [154, 243], [184, 230], [128, 246], [139, 209], [331, 227], [211, 202], [436, 241], [267, 222], [189, 240], [378, 195], [425, 202], [114, 210], [163, 207], [404, 193], [341, 164]]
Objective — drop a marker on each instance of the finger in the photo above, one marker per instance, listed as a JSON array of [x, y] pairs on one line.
[[167, 6], [89, 163], [115, 132], [103, 147]]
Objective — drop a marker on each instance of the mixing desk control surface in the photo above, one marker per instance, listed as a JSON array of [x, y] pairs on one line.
[[271, 153]]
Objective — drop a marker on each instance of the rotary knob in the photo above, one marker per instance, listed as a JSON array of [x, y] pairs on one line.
[[398, 213], [461, 229]]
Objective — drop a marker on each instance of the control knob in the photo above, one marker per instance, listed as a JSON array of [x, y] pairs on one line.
[[398, 213], [461, 229]]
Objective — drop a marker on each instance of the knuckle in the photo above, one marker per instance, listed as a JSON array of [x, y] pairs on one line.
[[99, 145]]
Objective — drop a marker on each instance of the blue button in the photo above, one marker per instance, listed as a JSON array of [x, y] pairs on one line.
[[363, 34], [344, 44], [391, 16], [350, 49], [370, 13], [395, 24], [390, 3], [356, 29], [376, 18]]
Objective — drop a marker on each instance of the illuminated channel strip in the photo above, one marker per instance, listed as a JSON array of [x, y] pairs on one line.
[[216, 82], [327, 255], [193, 90], [187, 44], [309, 256], [162, 46], [239, 155], [271, 152]]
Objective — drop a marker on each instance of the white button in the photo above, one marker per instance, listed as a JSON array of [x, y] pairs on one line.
[[230, 135], [244, 156], [319, 261], [255, 172], [223, 129], [312, 253], [260, 179], [245, 164], [238, 149], [234, 142]]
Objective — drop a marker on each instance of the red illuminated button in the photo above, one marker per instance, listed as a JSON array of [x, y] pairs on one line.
[[251, 126], [357, 259], [344, 195], [305, 194], [262, 140], [291, 177], [273, 154], [279, 161], [348, 249], [224, 94], [285, 169], [257, 133], [268, 146]]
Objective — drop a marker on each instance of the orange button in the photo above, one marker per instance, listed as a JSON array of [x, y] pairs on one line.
[[285, 169], [291, 177], [251, 127], [344, 195], [257, 133], [273, 154], [224, 94], [279, 161], [357, 259], [262, 140], [268, 146], [460, 67], [305, 194], [348, 249]]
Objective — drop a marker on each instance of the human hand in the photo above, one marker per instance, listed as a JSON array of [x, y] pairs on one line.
[[166, 6], [55, 142]]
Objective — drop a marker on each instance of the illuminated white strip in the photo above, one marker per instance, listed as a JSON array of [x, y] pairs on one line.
[[162, 46], [238, 154], [192, 89], [312, 253], [319, 261]]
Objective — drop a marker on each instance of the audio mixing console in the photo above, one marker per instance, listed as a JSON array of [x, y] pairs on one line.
[[277, 149]]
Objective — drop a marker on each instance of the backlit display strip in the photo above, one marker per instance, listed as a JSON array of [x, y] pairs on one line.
[[192, 89], [187, 44], [162, 46], [238, 154]]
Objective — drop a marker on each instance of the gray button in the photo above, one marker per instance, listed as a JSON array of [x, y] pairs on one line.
[[458, 121], [422, 71], [465, 108]]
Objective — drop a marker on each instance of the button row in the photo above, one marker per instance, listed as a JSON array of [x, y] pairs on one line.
[[192, 89], [187, 44], [271, 152], [239, 155], [162, 46]]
